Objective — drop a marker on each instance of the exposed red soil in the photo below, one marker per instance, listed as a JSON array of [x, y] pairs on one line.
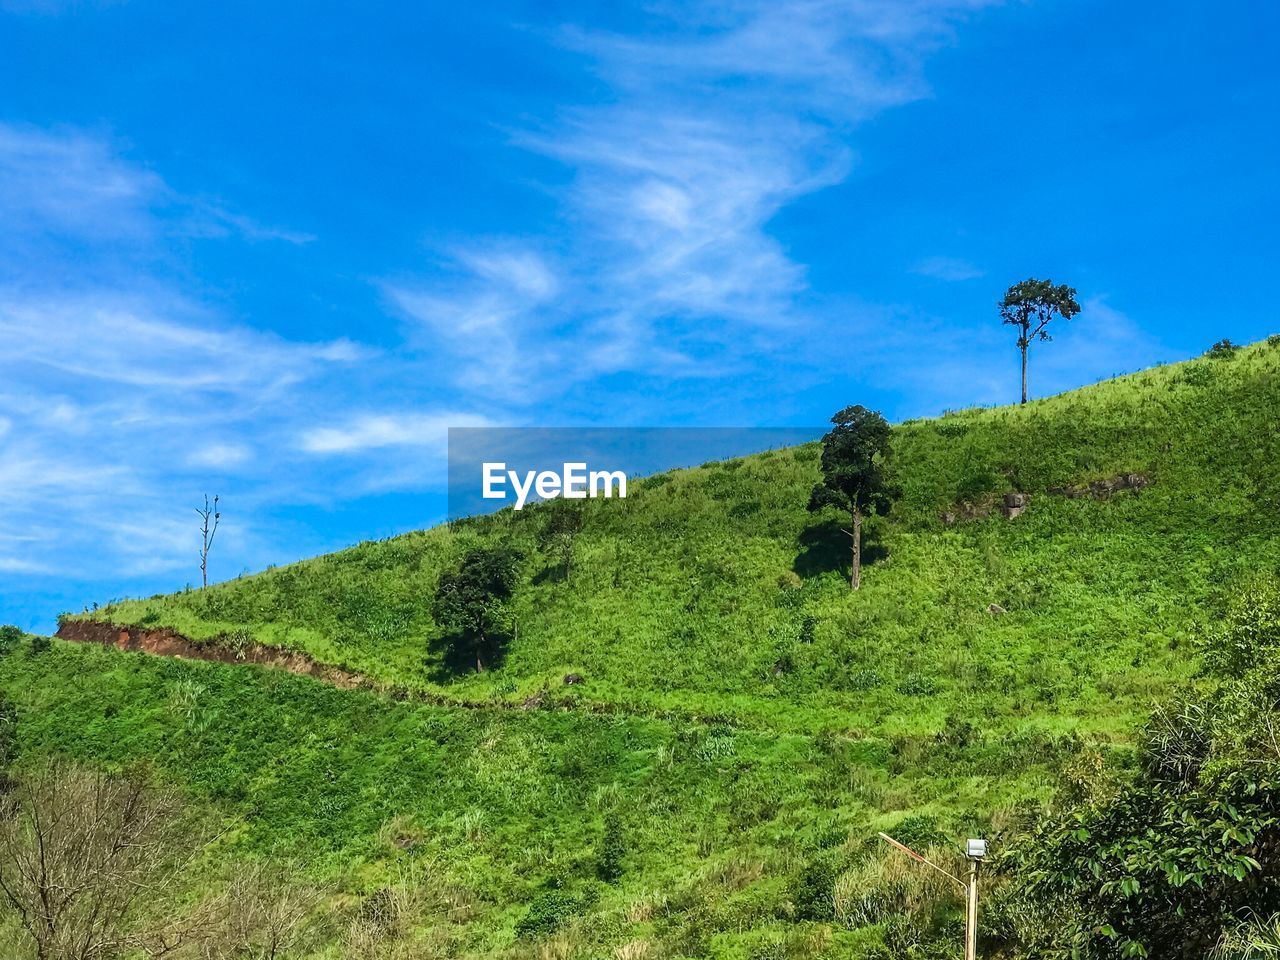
[[168, 643]]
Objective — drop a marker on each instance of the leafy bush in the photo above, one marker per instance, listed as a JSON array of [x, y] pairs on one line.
[[808, 626], [1171, 860], [1160, 870], [1195, 375], [866, 679], [40, 644], [1246, 634], [1222, 350], [813, 892], [550, 910], [612, 850], [9, 638], [919, 831], [8, 741], [917, 685]]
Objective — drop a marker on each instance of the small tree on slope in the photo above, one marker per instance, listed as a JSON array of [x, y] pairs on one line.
[[1030, 306], [854, 456], [471, 601]]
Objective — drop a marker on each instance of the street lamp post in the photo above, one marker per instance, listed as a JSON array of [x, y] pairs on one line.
[[975, 851]]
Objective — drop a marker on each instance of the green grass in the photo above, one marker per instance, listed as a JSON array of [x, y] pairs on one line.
[[686, 595], [731, 781], [503, 804]]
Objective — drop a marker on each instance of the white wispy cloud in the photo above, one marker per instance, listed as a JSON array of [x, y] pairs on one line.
[[150, 338], [219, 456], [120, 392], [488, 319], [373, 431], [953, 269], [719, 117], [69, 184]]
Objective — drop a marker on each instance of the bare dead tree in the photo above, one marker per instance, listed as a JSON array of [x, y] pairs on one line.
[[207, 532], [383, 925], [267, 915], [81, 854], [93, 867]]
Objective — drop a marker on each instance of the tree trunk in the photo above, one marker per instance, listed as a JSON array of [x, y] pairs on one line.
[[479, 651], [855, 570], [1024, 344]]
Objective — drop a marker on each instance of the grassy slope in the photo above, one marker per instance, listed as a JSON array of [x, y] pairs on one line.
[[500, 804], [683, 599]]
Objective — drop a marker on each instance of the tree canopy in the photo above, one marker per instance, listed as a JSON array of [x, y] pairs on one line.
[[470, 601], [855, 453], [1031, 306]]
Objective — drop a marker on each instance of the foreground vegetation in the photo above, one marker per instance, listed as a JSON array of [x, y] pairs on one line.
[[740, 723], [526, 824]]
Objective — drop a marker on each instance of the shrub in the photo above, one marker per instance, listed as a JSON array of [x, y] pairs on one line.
[[813, 892], [1273, 340], [1162, 869], [9, 637], [808, 624], [8, 741], [1197, 376], [40, 644], [719, 744], [919, 831], [866, 679], [612, 850], [1222, 350], [1246, 634], [976, 484], [548, 911], [917, 685]]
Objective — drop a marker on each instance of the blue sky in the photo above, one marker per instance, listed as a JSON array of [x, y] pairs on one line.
[[274, 250]]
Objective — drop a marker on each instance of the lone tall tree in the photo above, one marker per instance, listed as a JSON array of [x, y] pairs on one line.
[[1030, 306], [471, 601], [854, 456], [207, 531]]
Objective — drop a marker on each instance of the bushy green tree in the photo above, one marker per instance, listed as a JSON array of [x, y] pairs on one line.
[[855, 453], [1172, 860], [471, 602], [1030, 306]]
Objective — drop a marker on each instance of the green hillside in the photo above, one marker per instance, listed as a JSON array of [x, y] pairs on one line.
[[744, 723], [713, 591]]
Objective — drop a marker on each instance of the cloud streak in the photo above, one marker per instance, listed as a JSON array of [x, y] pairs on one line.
[[719, 117], [122, 395], [950, 269]]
